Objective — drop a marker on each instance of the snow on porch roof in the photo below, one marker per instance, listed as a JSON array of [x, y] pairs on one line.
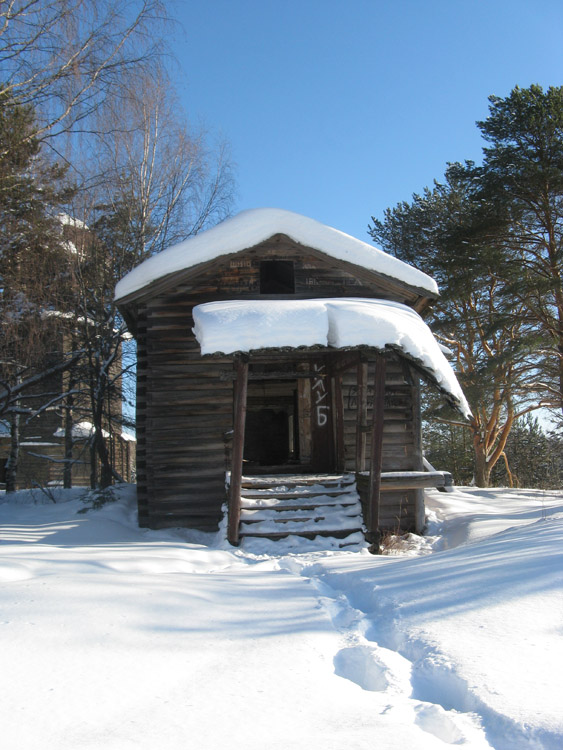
[[250, 228], [246, 325]]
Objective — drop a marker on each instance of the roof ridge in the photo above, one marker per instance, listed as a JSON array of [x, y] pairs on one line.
[[253, 226]]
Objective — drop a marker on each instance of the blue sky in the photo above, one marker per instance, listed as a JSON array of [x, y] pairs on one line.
[[338, 109]]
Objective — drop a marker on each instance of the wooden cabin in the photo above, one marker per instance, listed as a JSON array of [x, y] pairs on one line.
[[277, 376]]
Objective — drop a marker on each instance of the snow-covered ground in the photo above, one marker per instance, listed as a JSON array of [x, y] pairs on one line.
[[115, 637]]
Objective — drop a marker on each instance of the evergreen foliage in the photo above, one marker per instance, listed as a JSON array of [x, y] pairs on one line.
[[535, 457], [492, 236], [34, 272], [448, 447], [32, 192], [522, 174], [451, 233], [34, 275]]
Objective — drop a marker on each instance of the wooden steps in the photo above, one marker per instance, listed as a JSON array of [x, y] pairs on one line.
[[276, 507]]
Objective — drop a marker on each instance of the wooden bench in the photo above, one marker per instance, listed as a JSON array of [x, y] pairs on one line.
[[407, 480]]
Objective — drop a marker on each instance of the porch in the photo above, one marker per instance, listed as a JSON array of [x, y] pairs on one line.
[[307, 425], [312, 501]]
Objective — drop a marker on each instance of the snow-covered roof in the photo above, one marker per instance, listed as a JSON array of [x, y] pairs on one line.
[[245, 325], [80, 431], [71, 221], [250, 228]]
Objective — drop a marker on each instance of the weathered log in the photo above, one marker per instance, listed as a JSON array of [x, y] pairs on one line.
[[376, 451], [241, 389]]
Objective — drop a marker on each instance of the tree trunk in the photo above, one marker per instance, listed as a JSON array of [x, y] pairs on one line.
[[12, 462], [67, 471], [560, 366], [93, 465], [482, 471], [482, 466], [101, 453]]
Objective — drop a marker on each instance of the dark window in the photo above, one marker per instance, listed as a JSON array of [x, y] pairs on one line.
[[276, 277]]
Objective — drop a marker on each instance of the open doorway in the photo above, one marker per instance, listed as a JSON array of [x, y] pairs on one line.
[[271, 434], [289, 420]]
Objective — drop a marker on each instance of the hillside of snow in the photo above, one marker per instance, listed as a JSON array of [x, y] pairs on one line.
[[116, 637]]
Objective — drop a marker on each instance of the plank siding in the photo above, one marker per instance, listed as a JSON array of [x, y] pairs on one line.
[[397, 508], [185, 401], [398, 425], [141, 401], [402, 448]]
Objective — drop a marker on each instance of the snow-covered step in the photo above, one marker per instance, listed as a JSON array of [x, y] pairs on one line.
[[305, 504], [282, 513], [297, 500], [291, 492], [320, 505], [292, 480]]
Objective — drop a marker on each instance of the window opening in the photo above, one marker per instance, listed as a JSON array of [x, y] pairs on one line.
[[277, 277]]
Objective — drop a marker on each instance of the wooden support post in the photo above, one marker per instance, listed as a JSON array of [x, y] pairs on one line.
[[241, 389], [376, 452], [305, 417], [361, 415], [418, 461], [339, 415]]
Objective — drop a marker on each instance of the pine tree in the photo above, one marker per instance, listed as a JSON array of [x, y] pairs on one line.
[[31, 190], [451, 233], [522, 175], [33, 270], [534, 457]]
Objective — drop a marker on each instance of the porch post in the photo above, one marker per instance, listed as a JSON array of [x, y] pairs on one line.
[[361, 415], [420, 515], [376, 452], [339, 416], [240, 394]]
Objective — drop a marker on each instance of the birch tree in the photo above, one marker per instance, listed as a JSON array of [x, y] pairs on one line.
[[65, 57], [156, 183], [91, 73]]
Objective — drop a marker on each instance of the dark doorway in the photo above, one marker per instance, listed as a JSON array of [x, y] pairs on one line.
[[271, 435], [289, 421], [267, 437]]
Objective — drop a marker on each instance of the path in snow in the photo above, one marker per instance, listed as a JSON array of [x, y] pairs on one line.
[[377, 669], [474, 633]]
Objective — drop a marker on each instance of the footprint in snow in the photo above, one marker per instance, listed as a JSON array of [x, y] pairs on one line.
[[374, 668], [435, 720]]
